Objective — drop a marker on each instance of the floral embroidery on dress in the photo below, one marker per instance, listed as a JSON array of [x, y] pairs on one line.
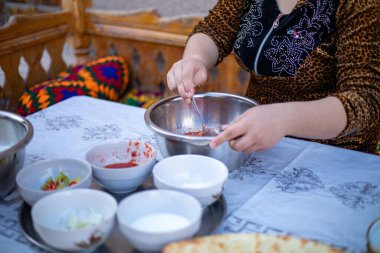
[[285, 57], [277, 44], [289, 51], [250, 27]]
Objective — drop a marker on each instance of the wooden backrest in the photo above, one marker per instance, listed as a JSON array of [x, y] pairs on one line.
[[26, 38], [149, 43]]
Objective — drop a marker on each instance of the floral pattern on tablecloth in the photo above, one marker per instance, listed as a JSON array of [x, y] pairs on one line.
[[104, 132], [298, 180], [357, 195], [63, 122]]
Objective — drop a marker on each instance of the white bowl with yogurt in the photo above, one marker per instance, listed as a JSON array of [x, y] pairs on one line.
[[153, 218], [200, 176], [75, 220]]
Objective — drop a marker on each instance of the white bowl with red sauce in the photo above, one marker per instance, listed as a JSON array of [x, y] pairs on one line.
[[122, 166], [34, 181]]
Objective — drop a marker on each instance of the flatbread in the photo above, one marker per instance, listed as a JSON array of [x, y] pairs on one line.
[[248, 243]]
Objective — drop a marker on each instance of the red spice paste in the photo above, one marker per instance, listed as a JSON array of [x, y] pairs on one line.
[[196, 133], [121, 165]]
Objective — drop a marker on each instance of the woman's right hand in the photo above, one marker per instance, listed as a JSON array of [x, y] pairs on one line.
[[185, 75]]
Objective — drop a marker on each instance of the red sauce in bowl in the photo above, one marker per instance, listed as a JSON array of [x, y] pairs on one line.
[[121, 165], [206, 131], [196, 133]]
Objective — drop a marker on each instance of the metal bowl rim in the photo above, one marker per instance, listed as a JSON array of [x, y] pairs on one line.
[[157, 130], [25, 140]]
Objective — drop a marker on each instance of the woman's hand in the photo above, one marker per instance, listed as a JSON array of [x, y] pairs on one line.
[[185, 75], [261, 127], [258, 128], [201, 53]]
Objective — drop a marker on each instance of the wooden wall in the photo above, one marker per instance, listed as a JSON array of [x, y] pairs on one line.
[[26, 37], [149, 43]]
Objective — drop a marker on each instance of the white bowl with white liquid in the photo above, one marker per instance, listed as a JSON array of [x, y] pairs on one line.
[[153, 218]]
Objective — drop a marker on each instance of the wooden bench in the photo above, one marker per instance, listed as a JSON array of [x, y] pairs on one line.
[[150, 44]]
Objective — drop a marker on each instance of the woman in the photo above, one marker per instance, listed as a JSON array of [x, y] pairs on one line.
[[314, 68]]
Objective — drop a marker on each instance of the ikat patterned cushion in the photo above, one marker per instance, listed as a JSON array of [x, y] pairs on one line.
[[144, 99], [105, 78]]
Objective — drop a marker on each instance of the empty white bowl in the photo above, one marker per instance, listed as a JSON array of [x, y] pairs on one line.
[[121, 179], [153, 218], [32, 177], [79, 219], [200, 176]]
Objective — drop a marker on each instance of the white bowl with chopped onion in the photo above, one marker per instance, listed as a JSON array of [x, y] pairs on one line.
[[150, 219], [75, 220], [45, 177], [200, 176]]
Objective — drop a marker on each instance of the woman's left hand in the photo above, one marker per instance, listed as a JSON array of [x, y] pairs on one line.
[[258, 128]]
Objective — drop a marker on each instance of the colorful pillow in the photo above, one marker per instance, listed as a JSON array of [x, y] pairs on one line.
[[105, 78], [142, 99]]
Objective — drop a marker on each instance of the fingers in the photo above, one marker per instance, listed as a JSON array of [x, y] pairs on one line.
[[185, 75], [256, 129], [231, 132], [200, 76], [240, 144], [236, 133], [254, 147], [171, 81], [178, 78]]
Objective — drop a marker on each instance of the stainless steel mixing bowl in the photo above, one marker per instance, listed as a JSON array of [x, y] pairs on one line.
[[170, 118], [15, 133]]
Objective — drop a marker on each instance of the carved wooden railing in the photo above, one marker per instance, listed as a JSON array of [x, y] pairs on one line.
[[26, 38], [150, 44]]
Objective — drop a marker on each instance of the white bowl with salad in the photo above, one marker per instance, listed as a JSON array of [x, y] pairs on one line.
[[42, 178]]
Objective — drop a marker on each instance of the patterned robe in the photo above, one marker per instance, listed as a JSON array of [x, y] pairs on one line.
[[322, 48]]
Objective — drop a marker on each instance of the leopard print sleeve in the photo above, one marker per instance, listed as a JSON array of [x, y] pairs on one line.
[[221, 25], [358, 63]]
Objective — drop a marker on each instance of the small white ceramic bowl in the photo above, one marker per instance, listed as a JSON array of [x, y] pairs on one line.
[[79, 219], [151, 219], [32, 177], [123, 179], [200, 176], [373, 236]]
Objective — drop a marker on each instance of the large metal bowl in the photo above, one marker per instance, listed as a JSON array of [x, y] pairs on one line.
[[15, 133], [170, 118]]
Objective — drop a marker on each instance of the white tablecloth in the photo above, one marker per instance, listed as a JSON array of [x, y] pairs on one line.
[[299, 188]]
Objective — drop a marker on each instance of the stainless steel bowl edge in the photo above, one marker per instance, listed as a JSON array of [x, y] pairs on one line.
[[171, 113], [28, 137], [203, 140], [12, 158]]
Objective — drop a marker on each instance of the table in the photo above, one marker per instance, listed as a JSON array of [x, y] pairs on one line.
[[297, 188]]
